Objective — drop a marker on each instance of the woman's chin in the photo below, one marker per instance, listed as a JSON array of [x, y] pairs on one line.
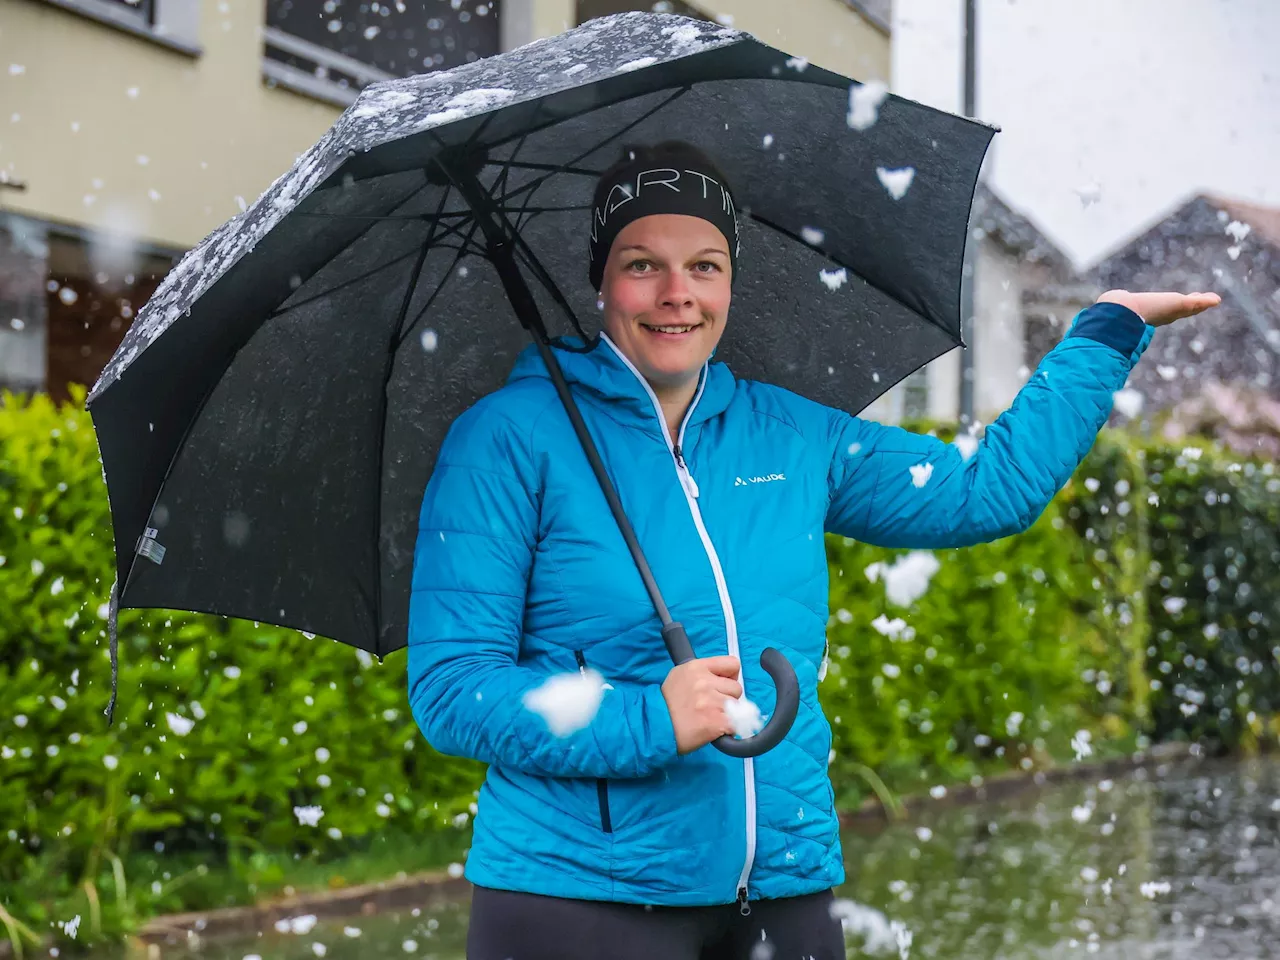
[[673, 359]]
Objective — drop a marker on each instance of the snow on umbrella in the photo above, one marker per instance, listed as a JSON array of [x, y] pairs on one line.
[[268, 424]]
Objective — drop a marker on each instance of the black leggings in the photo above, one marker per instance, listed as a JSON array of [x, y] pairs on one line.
[[528, 926]]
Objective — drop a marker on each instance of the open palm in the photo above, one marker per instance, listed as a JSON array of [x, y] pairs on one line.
[[1157, 309]]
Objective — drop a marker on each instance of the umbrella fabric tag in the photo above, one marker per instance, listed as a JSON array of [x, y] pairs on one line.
[[149, 548]]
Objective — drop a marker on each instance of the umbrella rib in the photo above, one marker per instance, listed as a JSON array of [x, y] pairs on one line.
[[765, 221], [526, 254], [404, 335], [388, 367], [348, 246], [200, 409], [501, 181], [538, 181], [552, 168], [533, 210], [518, 246], [364, 276], [281, 311], [462, 214], [533, 263]]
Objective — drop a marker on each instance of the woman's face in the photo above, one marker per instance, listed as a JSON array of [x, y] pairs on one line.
[[666, 295]]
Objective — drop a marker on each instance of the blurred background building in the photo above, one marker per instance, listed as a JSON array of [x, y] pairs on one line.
[[1137, 151], [131, 128]]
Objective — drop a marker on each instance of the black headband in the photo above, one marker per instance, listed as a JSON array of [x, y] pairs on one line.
[[643, 189]]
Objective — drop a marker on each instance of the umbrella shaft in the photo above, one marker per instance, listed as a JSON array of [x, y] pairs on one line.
[[497, 231]]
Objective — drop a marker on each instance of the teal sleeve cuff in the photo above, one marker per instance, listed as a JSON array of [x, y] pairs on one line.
[[1114, 325]]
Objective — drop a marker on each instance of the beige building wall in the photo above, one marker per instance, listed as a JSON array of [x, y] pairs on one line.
[[121, 134], [524, 21]]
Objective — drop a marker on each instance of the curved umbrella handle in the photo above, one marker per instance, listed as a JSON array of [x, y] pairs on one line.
[[786, 703]]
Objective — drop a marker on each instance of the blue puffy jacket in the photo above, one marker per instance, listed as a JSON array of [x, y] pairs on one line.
[[520, 573]]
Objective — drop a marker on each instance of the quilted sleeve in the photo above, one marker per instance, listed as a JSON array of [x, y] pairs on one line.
[[476, 539], [894, 488]]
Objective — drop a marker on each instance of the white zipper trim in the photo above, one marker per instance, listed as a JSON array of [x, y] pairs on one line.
[[690, 489]]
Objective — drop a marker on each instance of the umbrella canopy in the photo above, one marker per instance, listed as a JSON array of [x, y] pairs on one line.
[[272, 416]]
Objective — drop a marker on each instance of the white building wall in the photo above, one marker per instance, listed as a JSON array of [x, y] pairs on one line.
[[998, 339], [930, 69]]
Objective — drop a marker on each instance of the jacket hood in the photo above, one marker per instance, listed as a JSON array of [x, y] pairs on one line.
[[600, 369]]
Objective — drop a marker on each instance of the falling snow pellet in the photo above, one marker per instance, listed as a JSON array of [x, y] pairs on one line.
[[921, 473]]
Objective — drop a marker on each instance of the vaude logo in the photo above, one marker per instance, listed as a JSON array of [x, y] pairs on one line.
[[739, 482]]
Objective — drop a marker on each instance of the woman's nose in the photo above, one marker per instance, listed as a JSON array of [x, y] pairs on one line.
[[676, 291]]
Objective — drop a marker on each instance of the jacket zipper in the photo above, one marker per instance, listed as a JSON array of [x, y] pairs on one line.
[[602, 785], [690, 489]]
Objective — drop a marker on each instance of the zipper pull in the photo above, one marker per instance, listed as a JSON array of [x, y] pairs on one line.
[[743, 907], [692, 485]]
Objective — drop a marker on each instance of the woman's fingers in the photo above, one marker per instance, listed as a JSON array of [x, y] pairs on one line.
[[723, 666], [727, 687], [1177, 306], [695, 693], [1200, 302], [1161, 307]]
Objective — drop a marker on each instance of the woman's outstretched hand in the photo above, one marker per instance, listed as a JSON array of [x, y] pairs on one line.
[[695, 692], [1157, 309]]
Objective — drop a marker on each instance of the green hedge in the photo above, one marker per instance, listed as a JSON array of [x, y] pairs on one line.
[[224, 727], [276, 720], [1215, 611], [1015, 647]]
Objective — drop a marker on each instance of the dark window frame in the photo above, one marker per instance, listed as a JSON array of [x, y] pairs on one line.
[[585, 10], [306, 60], [148, 19]]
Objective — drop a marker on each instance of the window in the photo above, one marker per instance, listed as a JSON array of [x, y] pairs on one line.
[[144, 11], [334, 49], [915, 395], [171, 23], [93, 290], [23, 251], [590, 9], [67, 298]]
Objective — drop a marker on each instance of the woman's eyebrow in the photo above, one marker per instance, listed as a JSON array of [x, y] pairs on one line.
[[640, 246]]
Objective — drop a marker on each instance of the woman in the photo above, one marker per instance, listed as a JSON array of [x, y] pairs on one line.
[[631, 837]]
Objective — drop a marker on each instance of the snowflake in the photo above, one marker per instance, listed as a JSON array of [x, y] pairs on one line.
[[567, 702], [744, 716], [898, 181], [864, 104]]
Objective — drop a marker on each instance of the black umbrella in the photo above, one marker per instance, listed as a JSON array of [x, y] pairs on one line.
[[269, 422]]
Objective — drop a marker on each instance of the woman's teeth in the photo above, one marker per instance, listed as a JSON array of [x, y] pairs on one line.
[[672, 330]]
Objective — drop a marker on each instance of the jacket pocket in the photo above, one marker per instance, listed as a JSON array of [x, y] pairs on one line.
[[602, 784]]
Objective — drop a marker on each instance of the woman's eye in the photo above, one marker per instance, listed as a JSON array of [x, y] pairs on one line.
[[637, 263], [708, 263]]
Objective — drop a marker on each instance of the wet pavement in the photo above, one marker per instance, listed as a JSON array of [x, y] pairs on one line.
[[1170, 863]]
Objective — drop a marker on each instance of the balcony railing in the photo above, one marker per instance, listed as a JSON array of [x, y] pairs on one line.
[[315, 70]]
